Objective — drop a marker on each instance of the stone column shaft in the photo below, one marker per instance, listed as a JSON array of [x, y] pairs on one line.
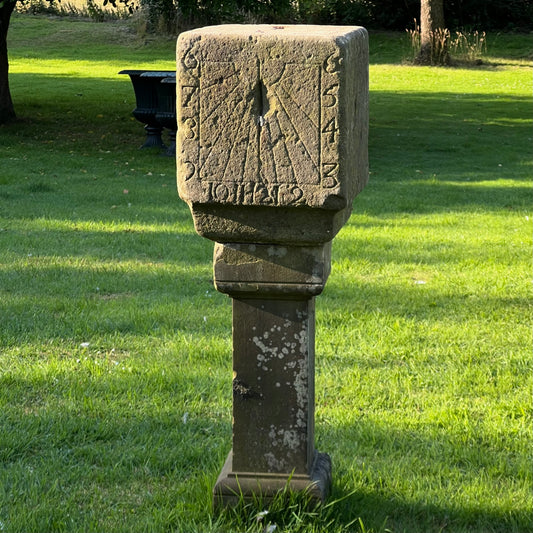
[[273, 385]]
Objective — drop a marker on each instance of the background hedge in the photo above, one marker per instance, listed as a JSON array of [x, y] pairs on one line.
[[488, 15]]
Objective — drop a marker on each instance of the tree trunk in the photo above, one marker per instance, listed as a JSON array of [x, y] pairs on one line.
[[433, 34], [7, 112]]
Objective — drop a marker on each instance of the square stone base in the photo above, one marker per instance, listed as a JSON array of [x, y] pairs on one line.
[[232, 486]]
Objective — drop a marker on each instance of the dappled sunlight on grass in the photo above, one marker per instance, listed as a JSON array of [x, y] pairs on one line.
[[115, 367], [91, 68], [98, 226]]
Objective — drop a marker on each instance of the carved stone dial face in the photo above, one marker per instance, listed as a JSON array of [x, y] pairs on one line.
[[269, 116], [265, 133]]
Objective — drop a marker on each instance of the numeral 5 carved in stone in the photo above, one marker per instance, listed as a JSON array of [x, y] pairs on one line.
[[329, 96]]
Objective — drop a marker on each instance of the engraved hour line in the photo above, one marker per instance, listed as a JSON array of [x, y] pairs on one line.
[[290, 100], [283, 104], [295, 131], [236, 132], [270, 153], [199, 108], [281, 130], [320, 126], [280, 145], [251, 130], [220, 104], [258, 130], [227, 125], [288, 97], [203, 87], [217, 82], [285, 150]]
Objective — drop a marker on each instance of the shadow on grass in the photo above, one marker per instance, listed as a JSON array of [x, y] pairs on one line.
[[85, 455], [104, 406], [366, 244], [444, 459], [414, 196], [427, 153], [422, 304], [150, 454], [72, 110], [145, 245], [455, 136], [461, 136], [46, 302], [391, 514], [85, 40]]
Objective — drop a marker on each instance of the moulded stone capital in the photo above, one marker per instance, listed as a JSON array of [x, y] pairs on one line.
[[271, 269]]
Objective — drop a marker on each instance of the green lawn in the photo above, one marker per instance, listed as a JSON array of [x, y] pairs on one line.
[[115, 349]]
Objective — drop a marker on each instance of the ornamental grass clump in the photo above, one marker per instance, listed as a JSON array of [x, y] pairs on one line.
[[446, 48], [469, 46]]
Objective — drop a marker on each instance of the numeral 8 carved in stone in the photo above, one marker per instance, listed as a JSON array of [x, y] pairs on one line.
[[190, 126]]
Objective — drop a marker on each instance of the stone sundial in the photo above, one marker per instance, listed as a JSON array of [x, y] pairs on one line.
[[271, 151]]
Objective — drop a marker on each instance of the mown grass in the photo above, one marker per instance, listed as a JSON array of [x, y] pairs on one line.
[[115, 362]]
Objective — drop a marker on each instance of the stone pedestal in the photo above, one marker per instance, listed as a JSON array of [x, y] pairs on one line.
[[273, 288], [271, 151]]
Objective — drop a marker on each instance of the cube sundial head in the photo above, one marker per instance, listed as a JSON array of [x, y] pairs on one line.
[[272, 130]]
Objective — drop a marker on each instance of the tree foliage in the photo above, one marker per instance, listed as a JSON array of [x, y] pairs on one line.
[[176, 15], [374, 14]]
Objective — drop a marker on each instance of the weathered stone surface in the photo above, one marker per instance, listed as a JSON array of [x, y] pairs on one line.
[[269, 269], [272, 127], [273, 383], [272, 289], [231, 485], [273, 401]]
